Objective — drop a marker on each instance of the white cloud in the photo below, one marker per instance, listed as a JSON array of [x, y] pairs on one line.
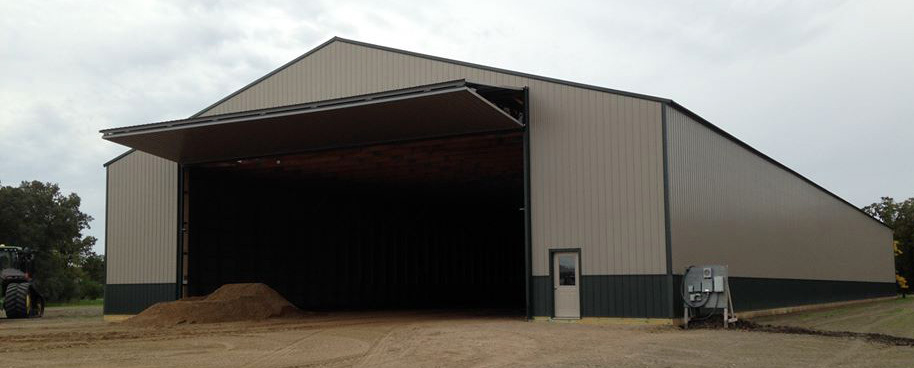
[[825, 87]]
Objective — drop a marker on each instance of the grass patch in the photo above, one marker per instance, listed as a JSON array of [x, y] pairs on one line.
[[893, 317], [78, 303]]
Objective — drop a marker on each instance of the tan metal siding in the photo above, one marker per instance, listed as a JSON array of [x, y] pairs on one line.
[[596, 156], [730, 206], [142, 220]]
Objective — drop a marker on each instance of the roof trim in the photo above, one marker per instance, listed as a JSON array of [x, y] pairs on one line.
[[118, 157], [391, 95], [220, 120], [430, 57], [751, 149]]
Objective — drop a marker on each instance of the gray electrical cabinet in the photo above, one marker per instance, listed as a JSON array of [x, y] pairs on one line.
[[706, 289]]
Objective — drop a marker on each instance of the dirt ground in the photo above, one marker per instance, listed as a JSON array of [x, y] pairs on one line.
[[77, 337]]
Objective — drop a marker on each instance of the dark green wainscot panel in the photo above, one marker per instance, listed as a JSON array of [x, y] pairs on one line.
[[629, 296], [134, 298], [542, 296], [753, 293]]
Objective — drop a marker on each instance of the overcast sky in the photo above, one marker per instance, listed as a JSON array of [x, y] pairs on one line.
[[826, 88]]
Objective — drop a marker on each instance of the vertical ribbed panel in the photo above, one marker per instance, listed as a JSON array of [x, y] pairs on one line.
[[642, 296], [730, 206], [596, 157], [142, 220], [542, 296], [597, 180]]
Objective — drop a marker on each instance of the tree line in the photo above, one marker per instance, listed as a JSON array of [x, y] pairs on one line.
[[900, 217], [38, 216]]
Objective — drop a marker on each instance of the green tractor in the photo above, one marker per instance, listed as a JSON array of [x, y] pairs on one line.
[[20, 299]]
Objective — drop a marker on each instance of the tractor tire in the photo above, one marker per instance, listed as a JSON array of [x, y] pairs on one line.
[[37, 305], [17, 301]]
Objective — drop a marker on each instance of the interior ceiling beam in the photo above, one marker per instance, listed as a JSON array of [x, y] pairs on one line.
[[493, 157]]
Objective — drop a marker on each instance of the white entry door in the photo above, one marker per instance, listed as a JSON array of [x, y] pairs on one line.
[[566, 280]]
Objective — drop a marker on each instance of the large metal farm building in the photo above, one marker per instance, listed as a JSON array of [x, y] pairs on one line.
[[363, 177]]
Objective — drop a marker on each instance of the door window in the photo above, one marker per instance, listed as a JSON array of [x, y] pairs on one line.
[[567, 269]]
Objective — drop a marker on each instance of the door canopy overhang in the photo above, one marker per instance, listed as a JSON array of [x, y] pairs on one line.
[[432, 111]]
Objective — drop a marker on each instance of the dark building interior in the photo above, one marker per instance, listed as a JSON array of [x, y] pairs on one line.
[[421, 224]]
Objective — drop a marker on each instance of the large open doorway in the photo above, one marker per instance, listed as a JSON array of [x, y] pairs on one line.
[[424, 224], [406, 198]]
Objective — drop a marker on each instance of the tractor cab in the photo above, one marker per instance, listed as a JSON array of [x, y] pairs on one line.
[[9, 257]]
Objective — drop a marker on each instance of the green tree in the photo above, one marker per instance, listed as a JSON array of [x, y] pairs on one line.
[[900, 217], [94, 267], [901, 280], [91, 285], [37, 215]]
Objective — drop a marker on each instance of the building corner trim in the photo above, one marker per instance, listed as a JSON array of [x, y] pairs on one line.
[[179, 269], [664, 129], [107, 233], [528, 218]]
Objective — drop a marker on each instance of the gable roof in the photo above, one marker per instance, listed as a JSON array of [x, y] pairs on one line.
[[662, 100]]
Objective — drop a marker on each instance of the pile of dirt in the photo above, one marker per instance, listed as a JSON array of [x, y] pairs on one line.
[[744, 325], [229, 303]]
